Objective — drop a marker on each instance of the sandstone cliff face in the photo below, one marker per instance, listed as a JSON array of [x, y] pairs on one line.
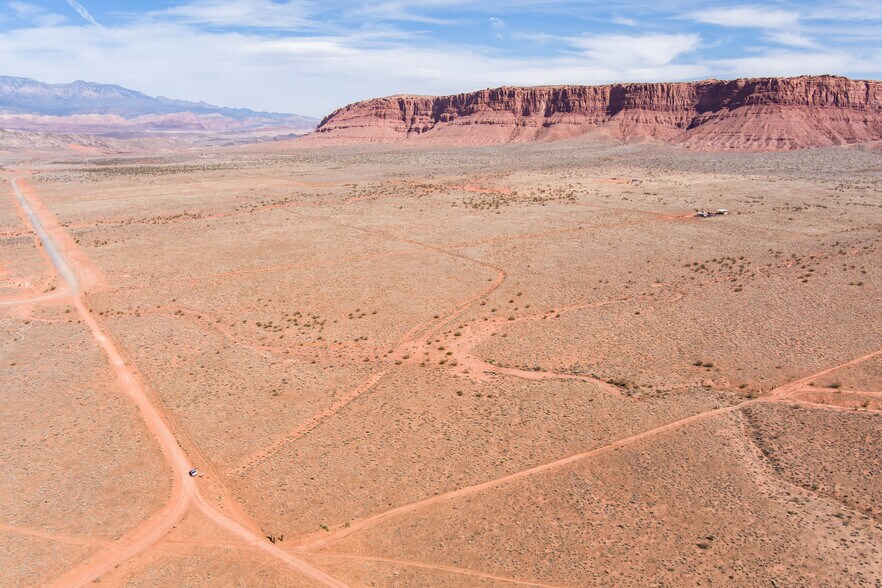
[[764, 113]]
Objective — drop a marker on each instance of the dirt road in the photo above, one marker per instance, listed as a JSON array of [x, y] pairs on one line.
[[188, 493], [185, 492], [784, 392], [64, 270]]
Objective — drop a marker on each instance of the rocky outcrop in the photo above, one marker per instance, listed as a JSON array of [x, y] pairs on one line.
[[763, 113]]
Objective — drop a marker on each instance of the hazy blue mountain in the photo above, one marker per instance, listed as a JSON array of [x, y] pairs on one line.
[[24, 96]]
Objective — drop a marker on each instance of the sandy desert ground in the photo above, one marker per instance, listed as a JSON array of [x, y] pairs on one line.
[[509, 366]]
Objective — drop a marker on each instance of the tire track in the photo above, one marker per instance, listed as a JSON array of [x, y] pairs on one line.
[[319, 541]]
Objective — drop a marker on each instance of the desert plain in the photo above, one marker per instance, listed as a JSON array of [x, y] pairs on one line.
[[523, 365]]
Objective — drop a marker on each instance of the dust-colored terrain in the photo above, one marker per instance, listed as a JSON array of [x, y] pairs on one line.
[[528, 365]]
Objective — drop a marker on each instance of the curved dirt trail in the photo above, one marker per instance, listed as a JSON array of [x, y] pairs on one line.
[[314, 543], [844, 392], [788, 390], [441, 568], [258, 457], [156, 527], [59, 294], [185, 491], [255, 540], [70, 540], [408, 338], [184, 487], [830, 407]]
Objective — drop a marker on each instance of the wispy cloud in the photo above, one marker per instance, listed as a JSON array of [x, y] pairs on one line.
[[309, 56], [633, 50], [791, 38], [311, 75], [846, 11], [35, 14], [778, 26], [624, 21], [791, 63], [81, 10], [293, 14], [407, 11], [748, 16]]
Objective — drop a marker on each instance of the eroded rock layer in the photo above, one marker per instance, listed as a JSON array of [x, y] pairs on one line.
[[762, 113]]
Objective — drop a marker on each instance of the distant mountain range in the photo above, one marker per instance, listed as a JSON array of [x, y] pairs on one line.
[[87, 107]]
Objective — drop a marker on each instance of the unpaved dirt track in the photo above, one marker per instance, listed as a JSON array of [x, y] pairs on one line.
[[255, 459], [26, 532], [184, 487], [61, 266], [58, 294], [441, 568], [312, 543], [788, 390], [185, 491]]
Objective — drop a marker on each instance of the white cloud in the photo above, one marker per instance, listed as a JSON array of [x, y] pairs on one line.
[[301, 47], [792, 39], [81, 10], [315, 74], [242, 53], [406, 11], [35, 14], [847, 10], [748, 16], [497, 25], [636, 50], [293, 14], [789, 63], [625, 21]]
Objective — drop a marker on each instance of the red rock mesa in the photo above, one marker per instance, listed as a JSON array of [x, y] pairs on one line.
[[758, 114]]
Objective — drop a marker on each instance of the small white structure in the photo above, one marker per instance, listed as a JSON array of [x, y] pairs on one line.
[[706, 214]]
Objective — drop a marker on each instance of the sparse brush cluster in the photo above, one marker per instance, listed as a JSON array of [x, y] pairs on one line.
[[399, 188], [266, 204], [821, 263], [726, 268], [494, 200], [165, 169]]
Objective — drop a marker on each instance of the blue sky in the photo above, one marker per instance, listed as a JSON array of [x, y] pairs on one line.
[[311, 56]]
